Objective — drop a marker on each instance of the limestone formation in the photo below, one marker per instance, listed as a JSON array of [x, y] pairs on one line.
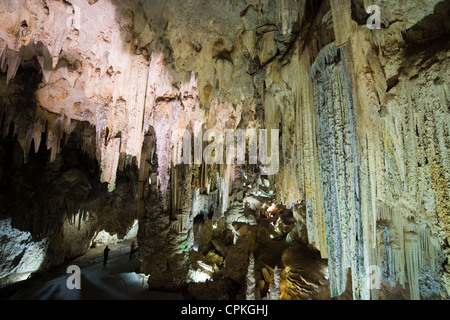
[[250, 288], [100, 100]]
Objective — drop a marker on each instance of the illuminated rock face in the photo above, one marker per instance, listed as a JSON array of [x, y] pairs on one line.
[[338, 159], [20, 255], [363, 119]]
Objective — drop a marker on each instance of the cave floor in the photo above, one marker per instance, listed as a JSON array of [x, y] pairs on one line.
[[118, 280]]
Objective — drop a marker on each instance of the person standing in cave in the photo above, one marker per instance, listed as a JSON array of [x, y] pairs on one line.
[[105, 255], [132, 247]]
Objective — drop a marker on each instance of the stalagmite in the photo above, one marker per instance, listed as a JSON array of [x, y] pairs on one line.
[[251, 283], [274, 292]]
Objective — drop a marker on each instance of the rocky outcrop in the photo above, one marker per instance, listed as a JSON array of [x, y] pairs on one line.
[[20, 255]]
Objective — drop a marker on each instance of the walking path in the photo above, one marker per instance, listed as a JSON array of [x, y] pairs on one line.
[[118, 280]]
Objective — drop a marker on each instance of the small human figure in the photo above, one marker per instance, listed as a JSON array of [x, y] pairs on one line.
[[133, 246], [105, 255]]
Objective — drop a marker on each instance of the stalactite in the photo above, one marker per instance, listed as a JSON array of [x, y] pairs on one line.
[[306, 112], [80, 218], [39, 128], [341, 11], [338, 158], [110, 162], [412, 261], [174, 191], [407, 248], [224, 180], [3, 52], [163, 152], [54, 136], [13, 61], [134, 135]]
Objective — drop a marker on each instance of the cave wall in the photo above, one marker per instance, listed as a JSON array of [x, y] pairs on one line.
[[368, 164], [362, 115]]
